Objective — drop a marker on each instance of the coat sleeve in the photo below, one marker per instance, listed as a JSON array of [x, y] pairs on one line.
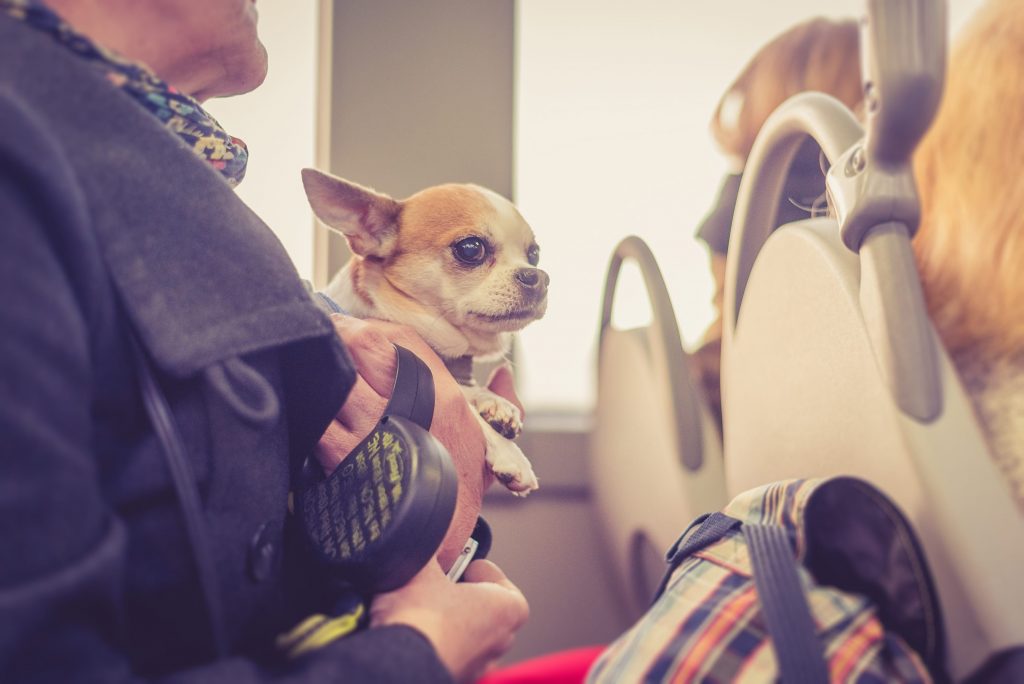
[[62, 548]]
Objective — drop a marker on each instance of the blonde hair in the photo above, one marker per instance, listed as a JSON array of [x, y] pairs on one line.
[[820, 54], [970, 173]]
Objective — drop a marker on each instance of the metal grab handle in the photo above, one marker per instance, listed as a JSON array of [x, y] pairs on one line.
[[875, 198], [903, 59], [689, 436]]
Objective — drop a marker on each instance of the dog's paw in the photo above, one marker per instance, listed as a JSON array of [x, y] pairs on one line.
[[501, 414], [518, 482], [511, 467]]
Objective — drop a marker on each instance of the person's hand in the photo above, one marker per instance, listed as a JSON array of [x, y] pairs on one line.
[[370, 343], [470, 624]]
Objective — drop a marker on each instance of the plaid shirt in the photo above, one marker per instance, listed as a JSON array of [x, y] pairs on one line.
[[707, 626]]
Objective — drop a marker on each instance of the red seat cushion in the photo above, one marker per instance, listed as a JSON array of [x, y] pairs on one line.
[[563, 667]]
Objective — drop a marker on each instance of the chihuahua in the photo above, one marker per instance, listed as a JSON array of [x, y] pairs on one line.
[[458, 264]]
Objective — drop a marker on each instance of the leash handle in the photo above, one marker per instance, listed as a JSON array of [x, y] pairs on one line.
[[412, 396], [381, 515]]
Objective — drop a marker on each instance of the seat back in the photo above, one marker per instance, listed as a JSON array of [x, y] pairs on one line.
[[655, 451], [803, 397], [830, 364]]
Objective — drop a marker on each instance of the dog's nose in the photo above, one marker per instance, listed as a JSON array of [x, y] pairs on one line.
[[533, 279]]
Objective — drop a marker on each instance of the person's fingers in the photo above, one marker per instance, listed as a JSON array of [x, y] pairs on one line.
[[485, 571], [355, 419], [425, 580], [371, 345], [333, 447], [407, 337], [362, 409], [365, 403], [503, 384], [372, 352], [508, 599]]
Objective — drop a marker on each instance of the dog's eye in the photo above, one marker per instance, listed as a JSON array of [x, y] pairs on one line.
[[533, 255], [471, 250]]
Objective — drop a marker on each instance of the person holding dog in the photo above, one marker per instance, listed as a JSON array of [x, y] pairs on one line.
[[123, 247]]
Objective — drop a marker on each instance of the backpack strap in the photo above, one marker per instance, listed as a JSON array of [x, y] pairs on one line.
[[787, 615]]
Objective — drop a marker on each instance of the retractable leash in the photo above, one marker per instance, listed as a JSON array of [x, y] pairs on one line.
[[380, 517]]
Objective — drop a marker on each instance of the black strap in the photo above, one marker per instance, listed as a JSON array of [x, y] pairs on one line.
[[710, 527], [798, 649], [412, 396], [188, 494]]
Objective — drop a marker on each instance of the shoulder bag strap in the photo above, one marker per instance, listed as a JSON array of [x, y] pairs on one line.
[[798, 649], [185, 487]]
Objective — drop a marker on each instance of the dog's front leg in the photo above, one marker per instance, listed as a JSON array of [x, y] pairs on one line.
[[502, 421]]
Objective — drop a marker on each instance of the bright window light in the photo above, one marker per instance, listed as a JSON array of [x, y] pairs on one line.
[[277, 123], [613, 105]]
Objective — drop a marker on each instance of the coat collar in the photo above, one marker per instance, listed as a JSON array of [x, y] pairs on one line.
[[200, 275]]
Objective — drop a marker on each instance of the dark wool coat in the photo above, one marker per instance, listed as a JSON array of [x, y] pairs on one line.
[[109, 223]]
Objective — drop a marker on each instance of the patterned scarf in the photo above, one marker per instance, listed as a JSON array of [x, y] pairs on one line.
[[178, 112]]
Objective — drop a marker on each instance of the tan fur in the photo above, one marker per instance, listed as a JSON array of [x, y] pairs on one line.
[[970, 246], [436, 216], [820, 54], [970, 171], [359, 278], [430, 221]]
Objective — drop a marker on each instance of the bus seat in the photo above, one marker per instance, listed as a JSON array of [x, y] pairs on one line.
[[655, 451], [803, 397], [830, 364]]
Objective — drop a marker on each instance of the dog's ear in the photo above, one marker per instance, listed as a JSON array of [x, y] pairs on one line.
[[368, 219]]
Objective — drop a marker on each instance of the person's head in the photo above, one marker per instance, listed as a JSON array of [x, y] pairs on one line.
[[205, 48], [970, 245], [820, 54]]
